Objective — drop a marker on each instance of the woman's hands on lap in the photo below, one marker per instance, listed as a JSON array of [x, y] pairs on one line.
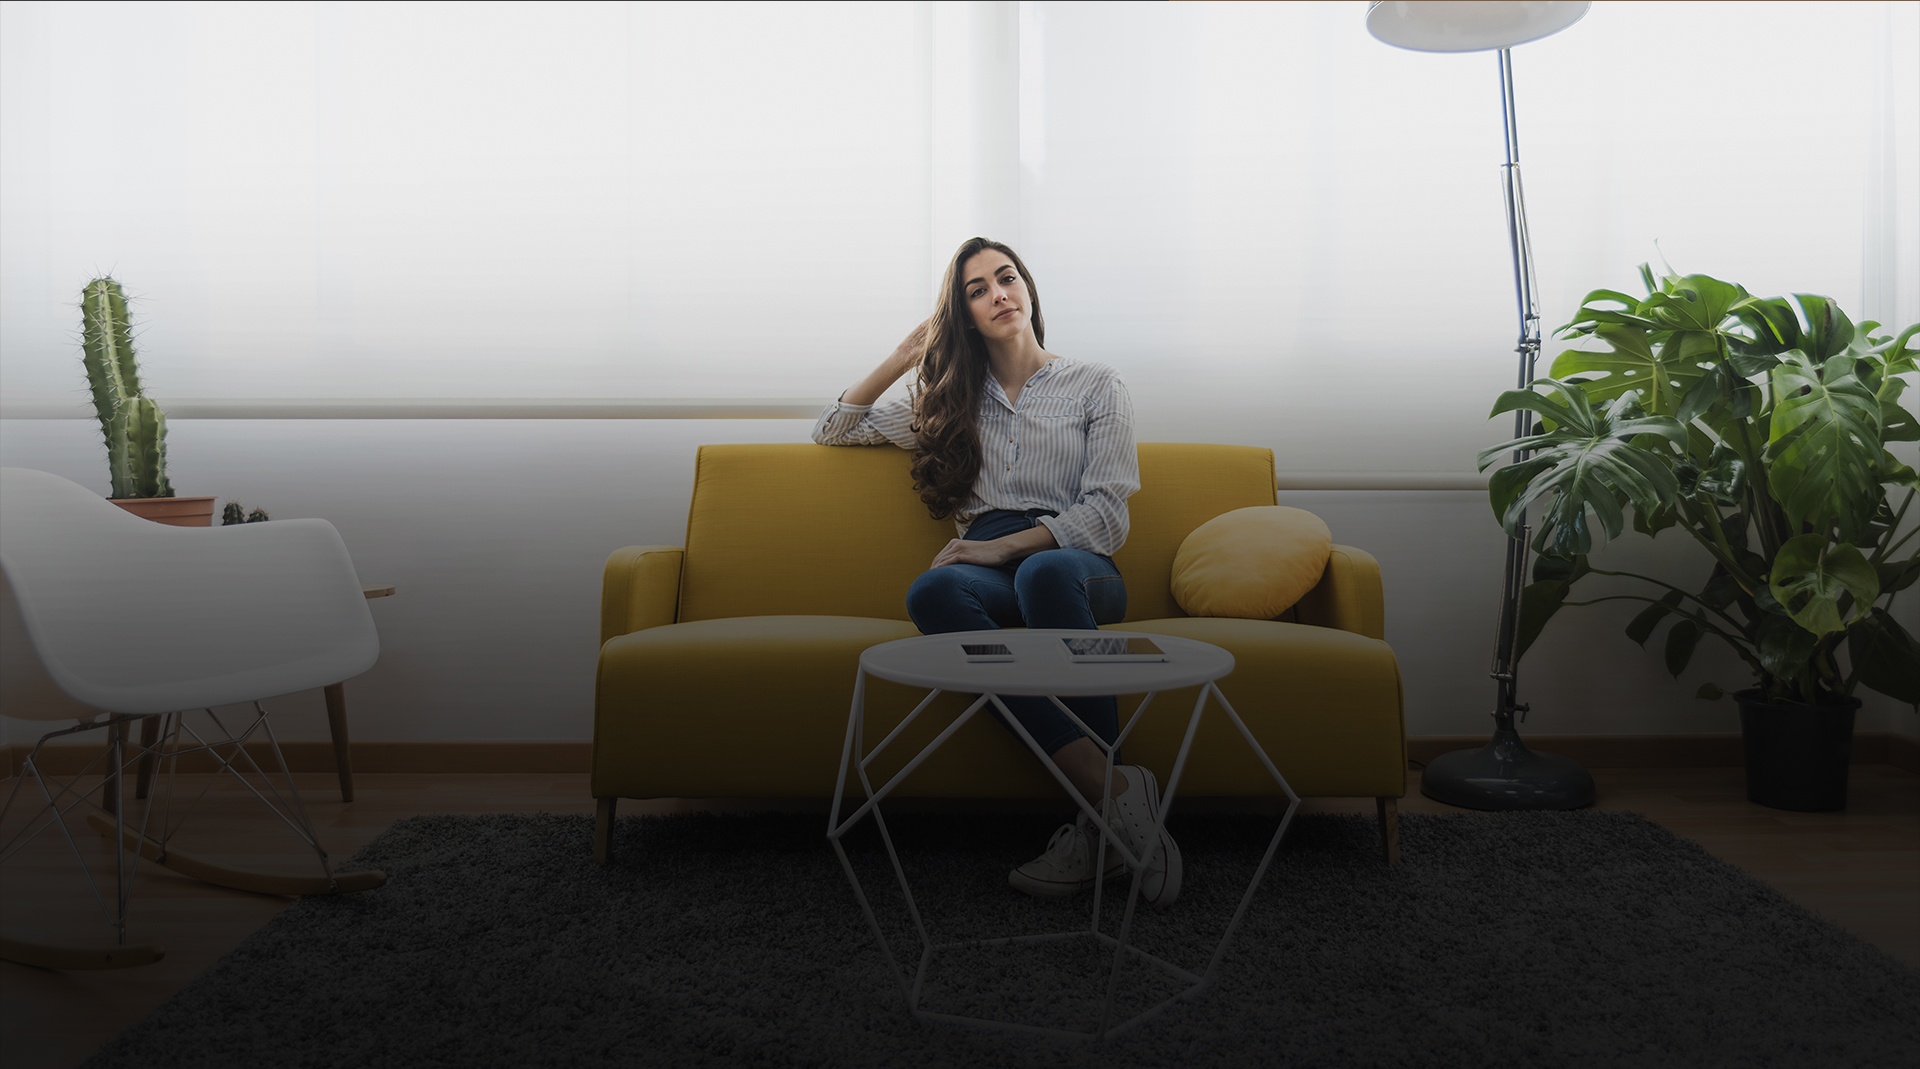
[[999, 551], [960, 551]]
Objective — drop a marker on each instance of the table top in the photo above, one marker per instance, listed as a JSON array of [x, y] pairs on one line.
[[1041, 664]]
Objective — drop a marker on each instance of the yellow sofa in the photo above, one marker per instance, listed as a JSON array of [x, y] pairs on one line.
[[727, 666]]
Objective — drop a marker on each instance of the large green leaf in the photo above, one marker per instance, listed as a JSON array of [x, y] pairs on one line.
[[1681, 640], [1581, 464], [1590, 316], [1695, 302], [1715, 386], [1896, 423], [1829, 331], [1894, 354], [1724, 476], [1885, 657], [1897, 575], [1631, 364], [1810, 575], [1892, 471], [1642, 626], [1574, 413], [1722, 590], [1511, 481], [1538, 603], [1784, 646], [1553, 578], [1825, 440], [1652, 523], [1774, 325]]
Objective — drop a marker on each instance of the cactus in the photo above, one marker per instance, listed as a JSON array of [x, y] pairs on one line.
[[232, 514], [134, 427], [257, 516]]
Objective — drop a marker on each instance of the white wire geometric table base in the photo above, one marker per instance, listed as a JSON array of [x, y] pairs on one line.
[[853, 759], [176, 739]]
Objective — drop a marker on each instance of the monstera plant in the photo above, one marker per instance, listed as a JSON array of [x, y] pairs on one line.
[[1759, 428]]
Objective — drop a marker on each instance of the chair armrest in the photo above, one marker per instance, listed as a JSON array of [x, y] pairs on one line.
[[1349, 596], [640, 588]]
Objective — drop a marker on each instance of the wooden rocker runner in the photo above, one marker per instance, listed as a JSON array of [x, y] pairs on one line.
[[105, 619]]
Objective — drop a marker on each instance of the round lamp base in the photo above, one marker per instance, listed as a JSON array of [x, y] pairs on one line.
[[1504, 774]]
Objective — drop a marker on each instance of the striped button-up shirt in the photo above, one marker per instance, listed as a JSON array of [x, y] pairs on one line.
[[1067, 445]]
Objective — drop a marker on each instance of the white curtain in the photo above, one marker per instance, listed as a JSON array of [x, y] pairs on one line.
[[1280, 230], [466, 199]]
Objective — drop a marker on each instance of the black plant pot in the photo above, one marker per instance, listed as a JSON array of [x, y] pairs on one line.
[[1797, 755]]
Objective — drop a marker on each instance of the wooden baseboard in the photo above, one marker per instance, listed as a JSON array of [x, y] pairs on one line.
[[548, 756], [1665, 751], [1903, 752], [543, 756]]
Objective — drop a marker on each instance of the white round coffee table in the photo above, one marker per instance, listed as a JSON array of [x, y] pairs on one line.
[[1042, 665]]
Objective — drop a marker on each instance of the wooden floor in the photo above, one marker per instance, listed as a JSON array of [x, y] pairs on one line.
[[1859, 868]]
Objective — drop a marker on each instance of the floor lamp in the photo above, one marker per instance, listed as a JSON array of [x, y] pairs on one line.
[[1504, 774]]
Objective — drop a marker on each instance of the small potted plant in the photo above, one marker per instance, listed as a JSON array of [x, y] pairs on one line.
[[135, 428], [1758, 427]]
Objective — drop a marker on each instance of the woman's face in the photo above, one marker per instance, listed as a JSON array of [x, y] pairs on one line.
[[996, 295]]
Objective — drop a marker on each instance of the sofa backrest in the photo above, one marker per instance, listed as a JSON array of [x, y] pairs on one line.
[[1183, 485], [801, 529]]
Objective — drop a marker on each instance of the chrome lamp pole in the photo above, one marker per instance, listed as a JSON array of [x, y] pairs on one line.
[[1503, 774]]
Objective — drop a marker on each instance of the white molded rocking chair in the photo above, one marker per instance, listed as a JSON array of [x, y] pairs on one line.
[[107, 618]]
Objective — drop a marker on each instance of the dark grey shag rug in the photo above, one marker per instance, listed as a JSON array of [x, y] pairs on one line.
[[1534, 939]]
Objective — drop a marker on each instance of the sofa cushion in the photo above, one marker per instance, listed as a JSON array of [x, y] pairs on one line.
[[1182, 485], [757, 707], [1325, 705], [1252, 563]]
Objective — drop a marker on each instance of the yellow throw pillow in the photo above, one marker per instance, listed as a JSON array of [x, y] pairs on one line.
[[1251, 563]]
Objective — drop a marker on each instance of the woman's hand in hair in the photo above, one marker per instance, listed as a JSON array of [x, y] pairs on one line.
[[998, 551], [904, 358], [907, 354]]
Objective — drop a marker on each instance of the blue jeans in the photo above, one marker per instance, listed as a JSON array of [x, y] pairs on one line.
[[1067, 588]]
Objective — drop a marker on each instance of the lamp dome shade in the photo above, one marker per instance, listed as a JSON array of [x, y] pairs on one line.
[[1469, 25]]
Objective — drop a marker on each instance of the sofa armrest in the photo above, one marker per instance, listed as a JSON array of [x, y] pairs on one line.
[[1349, 596], [640, 588]]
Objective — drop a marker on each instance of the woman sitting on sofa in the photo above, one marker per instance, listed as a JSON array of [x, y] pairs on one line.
[[1033, 456]]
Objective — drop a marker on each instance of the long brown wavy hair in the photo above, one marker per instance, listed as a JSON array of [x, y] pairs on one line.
[[946, 393]]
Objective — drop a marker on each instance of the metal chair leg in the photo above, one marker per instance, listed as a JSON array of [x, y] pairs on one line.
[[69, 796], [110, 782], [282, 799], [149, 734]]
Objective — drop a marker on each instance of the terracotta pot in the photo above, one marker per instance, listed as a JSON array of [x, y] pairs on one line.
[[173, 511]]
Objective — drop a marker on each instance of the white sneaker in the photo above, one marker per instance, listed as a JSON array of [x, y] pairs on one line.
[[1067, 866], [1137, 811]]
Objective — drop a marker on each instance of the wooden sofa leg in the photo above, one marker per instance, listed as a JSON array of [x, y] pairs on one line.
[[1389, 811], [603, 828]]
